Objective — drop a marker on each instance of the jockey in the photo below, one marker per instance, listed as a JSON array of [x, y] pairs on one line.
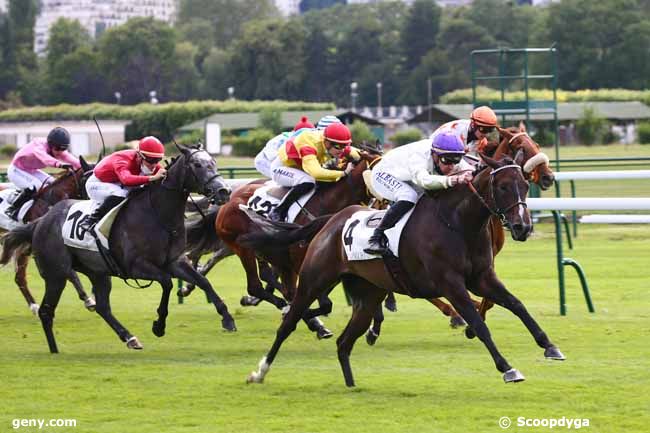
[[115, 176], [325, 121], [299, 162], [404, 171], [473, 131], [25, 168], [266, 156]]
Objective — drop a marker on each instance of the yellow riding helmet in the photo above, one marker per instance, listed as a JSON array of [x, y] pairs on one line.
[[484, 116]]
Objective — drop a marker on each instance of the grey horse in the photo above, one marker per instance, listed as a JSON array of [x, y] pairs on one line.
[[147, 242]]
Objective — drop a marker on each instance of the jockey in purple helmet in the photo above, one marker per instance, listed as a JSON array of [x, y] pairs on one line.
[[404, 172]]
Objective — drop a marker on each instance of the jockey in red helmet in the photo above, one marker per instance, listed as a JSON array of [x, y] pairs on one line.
[[266, 156], [299, 162], [25, 168], [115, 176], [404, 172]]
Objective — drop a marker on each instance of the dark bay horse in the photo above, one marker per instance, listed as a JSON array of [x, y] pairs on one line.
[[535, 166], [147, 242], [330, 197], [445, 247], [70, 184]]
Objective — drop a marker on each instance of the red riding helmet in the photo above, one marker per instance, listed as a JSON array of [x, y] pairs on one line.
[[151, 147], [304, 123], [338, 133]]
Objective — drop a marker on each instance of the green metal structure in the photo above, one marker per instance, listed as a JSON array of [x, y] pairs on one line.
[[514, 74]]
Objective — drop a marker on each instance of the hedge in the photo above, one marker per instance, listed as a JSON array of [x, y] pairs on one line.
[[464, 96], [160, 120]]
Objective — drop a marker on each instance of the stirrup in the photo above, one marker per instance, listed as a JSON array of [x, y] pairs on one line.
[[377, 247]]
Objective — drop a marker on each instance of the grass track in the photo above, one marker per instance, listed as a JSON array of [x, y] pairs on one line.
[[421, 377]]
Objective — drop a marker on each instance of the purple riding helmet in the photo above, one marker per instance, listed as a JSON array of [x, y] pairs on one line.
[[447, 144]]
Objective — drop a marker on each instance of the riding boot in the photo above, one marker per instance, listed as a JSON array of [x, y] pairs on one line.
[[280, 212], [24, 196], [99, 213], [378, 243]]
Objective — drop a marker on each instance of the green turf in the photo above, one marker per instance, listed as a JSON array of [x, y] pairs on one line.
[[420, 377]]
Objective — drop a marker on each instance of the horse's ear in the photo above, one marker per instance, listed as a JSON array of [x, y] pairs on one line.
[[489, 161], [84, 165], [519, 158], [522, 126], [181, 148]]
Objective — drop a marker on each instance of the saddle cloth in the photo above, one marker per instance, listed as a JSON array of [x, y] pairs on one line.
[[360, 226], [266, 198], [7, 197], [75, 236]]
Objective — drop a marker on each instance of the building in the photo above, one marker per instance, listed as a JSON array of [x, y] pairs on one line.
[[96, 16], [288, 7], [84, 137], [3, 6]]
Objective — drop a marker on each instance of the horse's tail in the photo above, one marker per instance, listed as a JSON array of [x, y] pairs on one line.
[[201, 234], [275, 236], [18, 240]]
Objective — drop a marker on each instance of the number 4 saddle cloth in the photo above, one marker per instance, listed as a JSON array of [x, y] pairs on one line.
[[360, 226], [77, 237]]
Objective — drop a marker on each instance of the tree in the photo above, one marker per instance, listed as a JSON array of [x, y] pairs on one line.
[[77, 78], [420, 30], [138, 57], [186, 79], [216, 74], [227, 18], [21, 59], [267, 61]]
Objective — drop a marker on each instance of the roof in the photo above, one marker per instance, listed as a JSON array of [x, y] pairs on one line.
[[566, 111], [289, 119]]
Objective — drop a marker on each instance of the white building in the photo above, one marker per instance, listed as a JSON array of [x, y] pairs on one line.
[[3, 6], [288, 7], [97, 15]]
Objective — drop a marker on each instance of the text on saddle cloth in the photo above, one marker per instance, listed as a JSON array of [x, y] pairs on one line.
[[360, 226], [77, 237], [7, 198], [265, 199]]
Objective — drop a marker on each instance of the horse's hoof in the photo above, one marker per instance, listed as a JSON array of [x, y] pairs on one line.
[[554, 353], [323, 333], [34, 309], [391, 306], [254, 377], [228, 324], [183, 292], [457, 322], [371, 337], [89, 303], [134, 343], [513, 375], [158, 328], [249, 301], [469, 333]]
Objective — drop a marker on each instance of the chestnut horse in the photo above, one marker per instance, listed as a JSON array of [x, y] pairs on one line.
[[440, 248], [70, 184], [330, 197], [535, 166]]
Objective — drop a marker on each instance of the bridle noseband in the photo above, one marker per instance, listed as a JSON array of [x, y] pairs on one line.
[[498, 211], [196, 178]]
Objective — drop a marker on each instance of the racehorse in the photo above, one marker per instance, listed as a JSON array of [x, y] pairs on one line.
[[70, 184], [329, 198], [535, 166], [152, 252], [445, 248]]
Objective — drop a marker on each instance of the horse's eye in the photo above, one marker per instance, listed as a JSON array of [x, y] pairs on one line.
[[197, 165]]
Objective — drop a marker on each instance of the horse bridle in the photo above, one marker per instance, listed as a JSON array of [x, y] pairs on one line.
[[196, 178], [536, 160], [498, 211]]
